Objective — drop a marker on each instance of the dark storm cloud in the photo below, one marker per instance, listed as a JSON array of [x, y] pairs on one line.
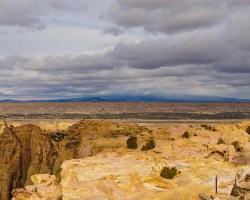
[[32, 83], [167, 16], [201, 47], [233, 80], [171, 16], [217, 42], [209, 51]]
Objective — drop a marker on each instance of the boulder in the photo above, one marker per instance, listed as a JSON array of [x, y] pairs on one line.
[[45, 187]]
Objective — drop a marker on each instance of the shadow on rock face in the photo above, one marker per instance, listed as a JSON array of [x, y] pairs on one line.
[[26, 150]]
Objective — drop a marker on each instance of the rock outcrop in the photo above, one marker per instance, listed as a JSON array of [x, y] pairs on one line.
[[45, 187], [136, 175], [27, 150], [55, 126], [96, 163], [111, 176], [88, 137], [241, 187], [24, 151], [2, 126]]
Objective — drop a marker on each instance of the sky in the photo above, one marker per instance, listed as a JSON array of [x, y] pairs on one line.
[[77, 48]]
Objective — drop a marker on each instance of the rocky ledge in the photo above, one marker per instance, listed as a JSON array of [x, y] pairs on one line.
[[90, 160]]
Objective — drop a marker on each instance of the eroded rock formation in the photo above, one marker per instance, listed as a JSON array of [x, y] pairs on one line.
[[24, 151], [241, 187], [112, 176], [45, 187], [96, 161], [27, 150]]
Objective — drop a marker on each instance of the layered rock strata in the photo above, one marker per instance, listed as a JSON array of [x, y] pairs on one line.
[[44, 186], [24, 151], [27, 150], [96, 163]]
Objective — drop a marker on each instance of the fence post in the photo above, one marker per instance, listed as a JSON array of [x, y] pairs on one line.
[[216, 184]]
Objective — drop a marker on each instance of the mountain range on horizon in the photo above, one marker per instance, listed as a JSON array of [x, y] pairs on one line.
[[138, 98]]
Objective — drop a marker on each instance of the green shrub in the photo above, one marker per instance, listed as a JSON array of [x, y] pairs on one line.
[[169, 173], [214, 129], [237, 146], [248, 130], [132, 142], [58, 136], [186, 135], [149, 145], [207, 127], [220, 141]]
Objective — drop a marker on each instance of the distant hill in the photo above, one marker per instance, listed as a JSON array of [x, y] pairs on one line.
[[8, 101], [140, 98]]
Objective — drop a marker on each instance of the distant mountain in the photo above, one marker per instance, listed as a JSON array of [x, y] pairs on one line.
[[141, 98], [8, 101]]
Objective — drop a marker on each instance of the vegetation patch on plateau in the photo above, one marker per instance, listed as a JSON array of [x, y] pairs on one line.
[[132, 142], [58, 136], [186, 135], [237, 146], [169, 173], [248, 130], [220, 141], [149, 145]]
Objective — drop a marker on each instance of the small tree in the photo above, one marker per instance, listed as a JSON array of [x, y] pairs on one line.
[[132, 142], [149, 145], [169, 173], [237, 146], [248, 130], [186, 135], [207, 127], [220, 141], [58, 136]]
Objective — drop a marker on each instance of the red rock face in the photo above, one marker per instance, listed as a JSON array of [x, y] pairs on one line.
[[24, 151]]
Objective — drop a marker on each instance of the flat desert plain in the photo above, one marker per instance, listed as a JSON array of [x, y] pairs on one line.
[[127, 110]]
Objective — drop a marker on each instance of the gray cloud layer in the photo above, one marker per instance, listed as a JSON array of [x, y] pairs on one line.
[[30, 13], [71, 5], [201, 61], [203, 48], [24, 13], [113, 30], [171, 16]]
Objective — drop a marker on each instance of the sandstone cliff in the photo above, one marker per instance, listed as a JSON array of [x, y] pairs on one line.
[[24, 151], [45, 187], [96, 163], [135, 175], [27, 150]]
